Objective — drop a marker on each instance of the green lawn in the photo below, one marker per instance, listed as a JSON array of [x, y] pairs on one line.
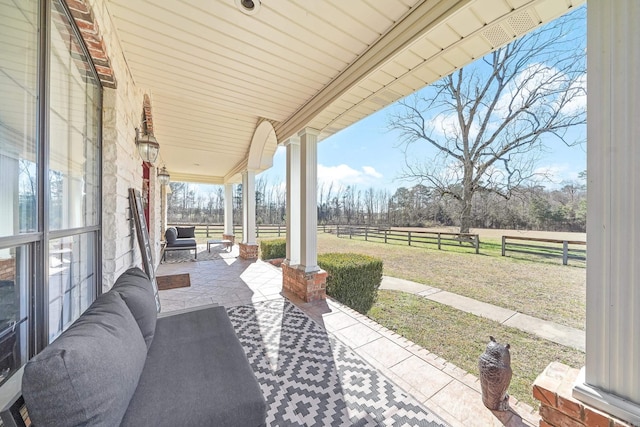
[[461, 338], [536, 287]]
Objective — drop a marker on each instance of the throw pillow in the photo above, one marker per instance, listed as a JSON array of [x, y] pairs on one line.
[[171, 235], [186, 232], [88, 375], [137, 292]]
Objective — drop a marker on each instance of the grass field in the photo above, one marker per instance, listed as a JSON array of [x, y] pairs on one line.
[[537, 287], [460, 338], [534, 286]]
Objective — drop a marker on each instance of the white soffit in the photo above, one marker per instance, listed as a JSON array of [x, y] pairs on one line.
[[469, 31], [214, 72]]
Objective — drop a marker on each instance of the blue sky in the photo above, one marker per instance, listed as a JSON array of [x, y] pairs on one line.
[[366, 155]]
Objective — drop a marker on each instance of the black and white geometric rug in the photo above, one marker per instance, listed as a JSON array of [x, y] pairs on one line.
[[309, 378]]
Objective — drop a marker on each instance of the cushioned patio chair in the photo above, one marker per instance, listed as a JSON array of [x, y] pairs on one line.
[[180, 239]]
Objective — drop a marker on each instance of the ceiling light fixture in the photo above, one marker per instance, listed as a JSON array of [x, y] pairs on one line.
[[250, 7]]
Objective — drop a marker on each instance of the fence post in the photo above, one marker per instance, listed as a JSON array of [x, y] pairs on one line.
[[409, 237], [565, 253], [278, 230], [385, 236], [207, 230], [337, 230], [477, 244], [350, 232], [439, 241], [504, 242], [366, 234]]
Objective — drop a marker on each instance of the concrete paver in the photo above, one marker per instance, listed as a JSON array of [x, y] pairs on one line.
[[472, 306], [560, 334], [449, 391]]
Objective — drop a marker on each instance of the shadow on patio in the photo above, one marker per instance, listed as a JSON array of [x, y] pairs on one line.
[[325, 364]]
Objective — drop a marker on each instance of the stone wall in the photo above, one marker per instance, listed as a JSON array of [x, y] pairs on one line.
[[122, 166], [553, 388]]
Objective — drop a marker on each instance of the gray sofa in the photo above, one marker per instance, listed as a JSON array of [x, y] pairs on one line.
[[180, 239], [122, 364]]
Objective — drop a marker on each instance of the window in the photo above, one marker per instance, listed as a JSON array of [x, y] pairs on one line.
[[18, 143], [74, 109], [14, 309], [50, 179], [72, 280]]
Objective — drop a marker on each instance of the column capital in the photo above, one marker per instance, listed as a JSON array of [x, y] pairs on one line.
[[309, 131], [294, 140]]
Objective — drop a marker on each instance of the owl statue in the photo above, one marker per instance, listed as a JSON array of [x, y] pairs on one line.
[[495, 375]]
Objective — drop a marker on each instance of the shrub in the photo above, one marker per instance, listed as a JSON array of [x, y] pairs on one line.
[[274, 248], [352, 279]]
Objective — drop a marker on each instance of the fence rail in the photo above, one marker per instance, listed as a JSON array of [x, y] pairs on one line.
[[413, 238], [552, 249], [212, 230]]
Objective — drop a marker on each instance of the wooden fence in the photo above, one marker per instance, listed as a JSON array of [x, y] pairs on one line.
[[216, 230], [412, 238], [553, 247]]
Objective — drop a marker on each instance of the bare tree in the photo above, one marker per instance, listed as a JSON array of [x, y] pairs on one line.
[[489, 121]]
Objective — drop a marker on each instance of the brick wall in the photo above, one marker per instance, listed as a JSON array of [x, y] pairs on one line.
[[8, 269], [248, 251], [553, 388], [90, 31], [306, 286]]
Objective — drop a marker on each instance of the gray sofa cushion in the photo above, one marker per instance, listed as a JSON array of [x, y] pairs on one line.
[[89, 373], [196, 374], [171, 235], [137, 292], [186, 232], [183, 243]]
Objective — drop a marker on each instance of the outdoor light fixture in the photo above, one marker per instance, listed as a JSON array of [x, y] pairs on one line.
[[250, 7], [163, 176], [148, 146]]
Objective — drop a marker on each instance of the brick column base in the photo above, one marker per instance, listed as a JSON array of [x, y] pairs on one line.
[[558, 408], [231, 237], [306, 286], [248, 251]]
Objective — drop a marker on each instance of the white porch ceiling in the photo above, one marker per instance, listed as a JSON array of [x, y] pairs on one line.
[[214, 73]]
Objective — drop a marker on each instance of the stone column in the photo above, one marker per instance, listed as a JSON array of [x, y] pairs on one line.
[[248, 247], [610, 380], [228, 213], [300, 272]]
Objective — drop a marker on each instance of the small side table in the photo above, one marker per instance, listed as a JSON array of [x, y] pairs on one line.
[[228, 244]]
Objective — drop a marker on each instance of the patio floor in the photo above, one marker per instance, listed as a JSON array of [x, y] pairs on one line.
[[410, 372]]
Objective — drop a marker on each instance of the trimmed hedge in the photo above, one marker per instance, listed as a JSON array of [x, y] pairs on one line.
[[353, 279], [273, 248]]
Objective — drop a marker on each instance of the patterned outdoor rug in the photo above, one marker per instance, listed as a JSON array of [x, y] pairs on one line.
[[309, 378]]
